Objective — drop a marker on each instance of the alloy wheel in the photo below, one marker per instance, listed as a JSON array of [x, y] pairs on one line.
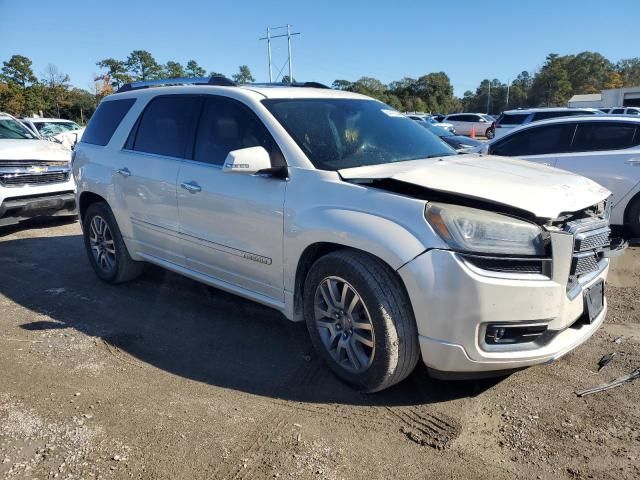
[[102, 244], [344, 324]]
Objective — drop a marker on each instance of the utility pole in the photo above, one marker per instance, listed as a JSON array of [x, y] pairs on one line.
[[508, 87], [269, 37], [489, 97]]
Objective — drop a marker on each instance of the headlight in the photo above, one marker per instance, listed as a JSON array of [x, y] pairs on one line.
[[473, 230]]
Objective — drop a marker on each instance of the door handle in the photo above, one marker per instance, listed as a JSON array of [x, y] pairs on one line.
[[633, 161], [546, 163], [191, 187], [125, 172]]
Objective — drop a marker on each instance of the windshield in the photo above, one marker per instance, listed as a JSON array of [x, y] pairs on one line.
[[344, 133], [11, 129], [49, 129]]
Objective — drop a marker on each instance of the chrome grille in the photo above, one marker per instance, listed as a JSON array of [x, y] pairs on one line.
[[13, 180], [33, 163], [591, 234]]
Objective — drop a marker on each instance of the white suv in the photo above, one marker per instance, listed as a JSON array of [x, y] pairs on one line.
[[511, 119], [338, 210], [604, 148], [35, 175]]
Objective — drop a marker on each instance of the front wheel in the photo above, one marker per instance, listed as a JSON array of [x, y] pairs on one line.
[[633, 218], [490, 133], [105, 247], [360, 320]]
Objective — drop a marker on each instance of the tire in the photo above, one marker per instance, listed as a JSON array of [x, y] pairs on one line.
[[114, 265], [633, 218], [490, 133], [387, 351]]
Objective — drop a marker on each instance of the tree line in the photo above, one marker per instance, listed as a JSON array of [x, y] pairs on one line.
[[24, 94], [553, 84], [559, 77]]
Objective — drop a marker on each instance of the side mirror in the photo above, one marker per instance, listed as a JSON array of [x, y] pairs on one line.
[[248, 161], [482, 120]]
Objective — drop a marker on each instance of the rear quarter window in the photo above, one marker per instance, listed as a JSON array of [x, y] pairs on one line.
[[105, 120], [512, 118], [594, 136]]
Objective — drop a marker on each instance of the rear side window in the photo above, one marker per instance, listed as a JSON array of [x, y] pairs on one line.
[[594, 136], [227, 125], [105, 120], [632, 111], [536, 141], [512, 118], [455, 118], [165, 125], [617, 110]]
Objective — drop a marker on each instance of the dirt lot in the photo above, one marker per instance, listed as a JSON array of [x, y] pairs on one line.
[[166, 378]]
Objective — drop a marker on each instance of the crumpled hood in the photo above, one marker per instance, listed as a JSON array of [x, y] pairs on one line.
[[546, 192], [28, 149]]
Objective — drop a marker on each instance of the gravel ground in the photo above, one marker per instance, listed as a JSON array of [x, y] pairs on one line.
[[167, 378]]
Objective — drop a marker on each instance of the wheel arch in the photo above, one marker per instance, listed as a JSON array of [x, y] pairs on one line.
[[86, 200], [627, 210], [316, 251]]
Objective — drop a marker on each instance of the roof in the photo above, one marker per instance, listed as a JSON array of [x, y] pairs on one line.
[[580, 119], [549, 109], [39, 119], [258, 92], [588, 97]]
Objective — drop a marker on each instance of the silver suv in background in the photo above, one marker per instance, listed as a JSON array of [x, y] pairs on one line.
[[339, 211], [510, 119]]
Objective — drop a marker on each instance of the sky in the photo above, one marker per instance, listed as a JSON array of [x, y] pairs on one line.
[[468, 40]]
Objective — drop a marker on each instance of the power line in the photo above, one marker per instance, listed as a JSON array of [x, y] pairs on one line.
[[269, 37]]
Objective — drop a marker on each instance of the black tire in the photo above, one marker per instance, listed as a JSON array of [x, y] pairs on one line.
[[490, 133], [633, 218], [395, 333], [123, 268]]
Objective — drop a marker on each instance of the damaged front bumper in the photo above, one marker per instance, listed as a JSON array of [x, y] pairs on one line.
[[458, 306]]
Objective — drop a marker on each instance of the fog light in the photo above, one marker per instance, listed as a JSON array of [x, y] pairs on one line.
[[501, 333]]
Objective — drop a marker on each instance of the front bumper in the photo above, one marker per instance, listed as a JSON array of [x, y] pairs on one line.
[[453, 302], [16, 209]]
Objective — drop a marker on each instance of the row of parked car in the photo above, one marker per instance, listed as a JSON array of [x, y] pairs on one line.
[[341, 212]]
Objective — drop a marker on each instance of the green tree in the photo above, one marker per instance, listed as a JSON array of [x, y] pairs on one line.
[[11, 98], [286, 79], [57, 87], [142, 66], [341, 85], [588, 72], [18, 70], [174, 70], [194, 70], [629, 70], [243, 75], [551, 85], [216, 74], [116, 72]]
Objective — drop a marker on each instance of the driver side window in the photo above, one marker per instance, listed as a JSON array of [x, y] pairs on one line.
[[226, 125]]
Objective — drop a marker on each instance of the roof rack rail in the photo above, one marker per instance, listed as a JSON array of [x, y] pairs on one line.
[[218, 80], [292, 84]]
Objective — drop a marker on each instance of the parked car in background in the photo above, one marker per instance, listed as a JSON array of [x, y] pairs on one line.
[[621, 110], [460, 143], [35, 175], [438, 116], [510, 119], [465, 122], [49, 127], [603, 148], [66, 132], [337, 210], [424, 118]]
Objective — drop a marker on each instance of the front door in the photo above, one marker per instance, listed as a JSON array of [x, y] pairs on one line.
[[232, 223], [146, 174]]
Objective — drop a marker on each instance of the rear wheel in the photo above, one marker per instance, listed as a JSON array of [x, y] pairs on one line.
[[490, 133], [105, 248], [633, 218], [360, 320]]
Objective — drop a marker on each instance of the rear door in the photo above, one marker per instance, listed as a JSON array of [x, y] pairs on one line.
[[147, 169], [540, 144], [458, 124], [606, 152], [231, 223]]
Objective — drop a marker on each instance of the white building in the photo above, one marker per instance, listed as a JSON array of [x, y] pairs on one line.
[[615, 97]]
